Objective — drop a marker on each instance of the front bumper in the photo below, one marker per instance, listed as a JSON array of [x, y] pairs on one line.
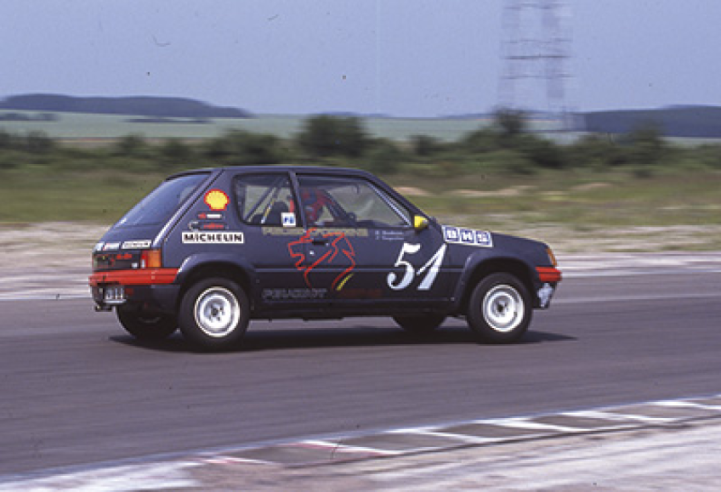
[[545, 294], [549, 278]]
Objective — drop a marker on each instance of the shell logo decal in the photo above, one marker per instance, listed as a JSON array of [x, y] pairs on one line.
[[216, 200]]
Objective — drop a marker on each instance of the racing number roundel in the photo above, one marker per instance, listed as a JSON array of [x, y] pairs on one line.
[[216, 200]]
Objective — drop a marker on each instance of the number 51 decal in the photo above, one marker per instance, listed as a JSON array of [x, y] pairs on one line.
[[432, 267]]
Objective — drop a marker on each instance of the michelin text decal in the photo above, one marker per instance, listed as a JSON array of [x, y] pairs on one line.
[[213, 238]]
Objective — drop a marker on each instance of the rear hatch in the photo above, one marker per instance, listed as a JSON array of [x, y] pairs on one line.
[[135, 241]]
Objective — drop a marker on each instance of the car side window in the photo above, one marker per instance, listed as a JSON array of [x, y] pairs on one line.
[[349, 202], [265, 199]]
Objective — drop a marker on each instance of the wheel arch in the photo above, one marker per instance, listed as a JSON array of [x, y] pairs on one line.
[[196, 268], [483, 268]]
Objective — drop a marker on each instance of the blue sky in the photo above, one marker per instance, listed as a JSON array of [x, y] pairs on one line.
[[398, 57]]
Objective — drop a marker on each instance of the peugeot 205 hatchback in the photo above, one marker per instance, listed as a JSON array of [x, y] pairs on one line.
[[208, 250]]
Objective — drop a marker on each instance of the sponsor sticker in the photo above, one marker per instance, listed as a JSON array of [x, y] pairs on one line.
[[210, 216], [467, 236], [288, 219], [137, 244], [470, 237], [212, 226], [228, 237], [316, 231], [217, 200], [294, 294], [483, 238], [389, 235]]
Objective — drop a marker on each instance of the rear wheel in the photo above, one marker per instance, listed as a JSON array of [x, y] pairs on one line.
[[214, 314], [420, 324], [500, 309], [147, 327]]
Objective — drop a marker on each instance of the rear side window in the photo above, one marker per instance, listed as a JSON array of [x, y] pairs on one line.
[[265, 199], [163, 201]]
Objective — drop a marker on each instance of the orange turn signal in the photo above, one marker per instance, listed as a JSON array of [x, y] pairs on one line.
[[151, 258]]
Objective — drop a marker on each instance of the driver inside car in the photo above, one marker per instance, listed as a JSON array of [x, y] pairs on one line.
[[314, 202]]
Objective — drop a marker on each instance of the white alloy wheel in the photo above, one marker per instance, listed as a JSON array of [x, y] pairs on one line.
[[499, 308], [503, 308], [217, 312]]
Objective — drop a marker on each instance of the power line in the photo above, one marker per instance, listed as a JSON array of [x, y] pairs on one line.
[[535, 52]]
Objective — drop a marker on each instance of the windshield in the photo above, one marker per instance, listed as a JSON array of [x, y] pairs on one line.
[[162, 202]]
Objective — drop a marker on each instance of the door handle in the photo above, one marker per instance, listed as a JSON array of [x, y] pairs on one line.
[[320, 241]]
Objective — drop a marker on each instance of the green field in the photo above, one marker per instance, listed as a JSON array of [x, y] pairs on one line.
[[88, 127], [558, 207], [612, 194]]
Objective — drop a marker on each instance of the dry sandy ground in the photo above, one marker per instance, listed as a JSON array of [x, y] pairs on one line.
[[58, 244], [46, 260], [47, 245], [53, 258]]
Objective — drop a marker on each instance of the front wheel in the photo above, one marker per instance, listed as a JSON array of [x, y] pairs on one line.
[[500, 309], [214, 314], [147, 327]]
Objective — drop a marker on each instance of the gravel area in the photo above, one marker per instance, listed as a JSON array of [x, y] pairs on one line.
[[52, 259]]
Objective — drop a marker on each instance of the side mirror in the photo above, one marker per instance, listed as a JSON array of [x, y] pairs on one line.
[[420, 223]]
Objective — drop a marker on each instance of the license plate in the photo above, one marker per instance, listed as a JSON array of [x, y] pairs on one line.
[[114, 294]]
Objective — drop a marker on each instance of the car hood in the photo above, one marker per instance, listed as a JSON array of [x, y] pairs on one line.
[[534, 251]]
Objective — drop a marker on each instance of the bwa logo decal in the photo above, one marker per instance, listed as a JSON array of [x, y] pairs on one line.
[[469, 237], [340, 254]]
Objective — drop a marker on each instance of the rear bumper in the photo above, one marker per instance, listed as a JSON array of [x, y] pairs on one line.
[[149, 290], [151, 276]]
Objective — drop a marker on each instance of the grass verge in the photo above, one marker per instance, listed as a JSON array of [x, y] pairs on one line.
[[577, 210]]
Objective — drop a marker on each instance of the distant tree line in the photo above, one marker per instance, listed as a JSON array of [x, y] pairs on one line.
[[29, 117], [167, 107], [505, 147], [681, 121]]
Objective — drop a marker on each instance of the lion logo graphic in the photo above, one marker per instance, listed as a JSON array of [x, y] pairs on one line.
[[339, 254]]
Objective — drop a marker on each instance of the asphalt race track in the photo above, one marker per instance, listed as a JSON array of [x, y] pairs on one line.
[[76, 390]]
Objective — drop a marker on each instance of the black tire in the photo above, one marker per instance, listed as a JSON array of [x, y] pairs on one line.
[[500, 309], [214, 314], [147, 327], [420, 324]]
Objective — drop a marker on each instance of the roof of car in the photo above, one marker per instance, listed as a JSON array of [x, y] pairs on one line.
[[279, 168]]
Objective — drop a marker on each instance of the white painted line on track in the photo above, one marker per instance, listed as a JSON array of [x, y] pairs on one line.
[[524, 423], [174, 473], [339, 447], [152, 476], [448, 435], [621, 417], [44, 297], [688, 404], [650, 297], [226, 460]]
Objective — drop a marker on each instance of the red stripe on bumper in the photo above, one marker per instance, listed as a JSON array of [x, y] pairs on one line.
[[549, 274], [135, 277]]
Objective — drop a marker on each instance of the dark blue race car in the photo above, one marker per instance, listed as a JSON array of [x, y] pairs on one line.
[[208, 250]]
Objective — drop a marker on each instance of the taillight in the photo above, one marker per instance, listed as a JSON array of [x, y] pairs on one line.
[[151, 258]]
